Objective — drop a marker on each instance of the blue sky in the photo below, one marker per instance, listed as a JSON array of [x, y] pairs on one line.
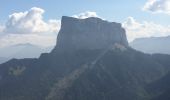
[[114, 10], [140, 18]]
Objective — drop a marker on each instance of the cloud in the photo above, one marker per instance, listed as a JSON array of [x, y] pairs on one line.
[[157, 6], [29, 27], [86, 14], [30, 22], [135, 29], [1, 28]]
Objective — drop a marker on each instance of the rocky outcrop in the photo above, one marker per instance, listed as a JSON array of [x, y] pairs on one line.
[[91, 33]]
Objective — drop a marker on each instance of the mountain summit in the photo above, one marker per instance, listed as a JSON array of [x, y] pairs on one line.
[[89, 34]]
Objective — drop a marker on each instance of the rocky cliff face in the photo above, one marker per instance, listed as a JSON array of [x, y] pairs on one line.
[[91, 33]]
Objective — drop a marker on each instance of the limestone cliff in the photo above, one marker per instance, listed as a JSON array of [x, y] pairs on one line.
[[91, 33]]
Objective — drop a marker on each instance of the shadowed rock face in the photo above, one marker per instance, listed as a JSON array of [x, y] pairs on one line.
[[91, 33]]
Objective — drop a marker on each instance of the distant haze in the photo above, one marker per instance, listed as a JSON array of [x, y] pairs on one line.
[[152, 45]]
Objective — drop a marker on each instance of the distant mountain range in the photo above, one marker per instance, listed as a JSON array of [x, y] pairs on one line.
[[22, 51], [152, 45], [91, 61]]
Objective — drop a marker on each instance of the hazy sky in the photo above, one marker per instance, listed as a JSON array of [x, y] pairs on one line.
[[38, 21]]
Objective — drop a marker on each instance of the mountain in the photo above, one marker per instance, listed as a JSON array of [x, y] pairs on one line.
[[90, 34], [91, 61], [152, 45], [160, 88], [3, 59], [23, 51]]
